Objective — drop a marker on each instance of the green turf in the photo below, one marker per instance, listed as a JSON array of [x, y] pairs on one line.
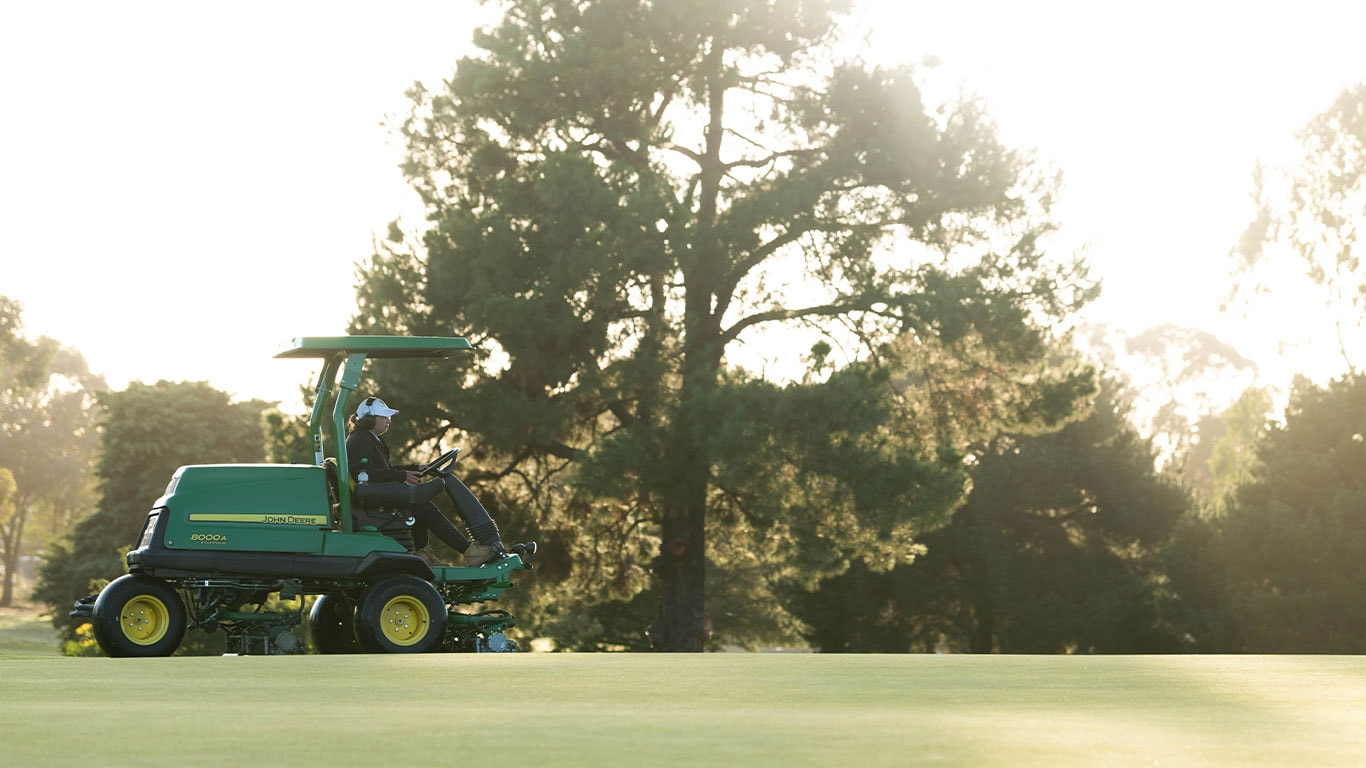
[[24, 632], [709, 710]]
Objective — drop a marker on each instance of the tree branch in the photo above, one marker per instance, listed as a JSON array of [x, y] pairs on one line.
[[824, 310], [692, 155], [745, 265], [760, 162]]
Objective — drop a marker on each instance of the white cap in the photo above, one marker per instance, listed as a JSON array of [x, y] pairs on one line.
[[373, 406]]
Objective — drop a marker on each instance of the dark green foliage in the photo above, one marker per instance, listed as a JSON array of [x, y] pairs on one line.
[[1280, 572], [287, 438], [1055, 551], [150, 430]]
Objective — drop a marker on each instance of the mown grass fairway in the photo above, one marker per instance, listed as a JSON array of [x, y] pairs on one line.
[[708, 710], [24, 632]]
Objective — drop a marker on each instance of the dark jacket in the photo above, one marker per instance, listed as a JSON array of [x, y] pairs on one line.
[[367, 451]]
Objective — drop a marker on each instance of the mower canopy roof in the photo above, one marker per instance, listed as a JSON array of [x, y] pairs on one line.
[[374, 346]]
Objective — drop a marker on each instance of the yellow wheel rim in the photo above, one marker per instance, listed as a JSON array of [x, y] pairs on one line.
[[144, 620], [405, 620]]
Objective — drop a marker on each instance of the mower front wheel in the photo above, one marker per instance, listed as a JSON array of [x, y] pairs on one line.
[[137, 615], [400, 614]]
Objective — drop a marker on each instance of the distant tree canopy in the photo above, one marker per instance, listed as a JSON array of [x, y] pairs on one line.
[[1057, 550], [1279, 571], [1177, 378], [47, 439], [1233, 451], [150, 430], [1310, 218], [624, 200]]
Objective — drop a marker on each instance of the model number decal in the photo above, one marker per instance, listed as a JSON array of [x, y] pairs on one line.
[[209, 538]]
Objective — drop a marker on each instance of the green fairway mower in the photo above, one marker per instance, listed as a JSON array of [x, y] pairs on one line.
[[238, 548]]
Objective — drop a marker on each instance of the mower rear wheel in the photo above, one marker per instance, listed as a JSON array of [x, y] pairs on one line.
[[332, 624], [400, 614], [137, 615]]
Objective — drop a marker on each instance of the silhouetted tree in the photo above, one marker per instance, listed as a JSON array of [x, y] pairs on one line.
[[1057, 550], [1279, 572]]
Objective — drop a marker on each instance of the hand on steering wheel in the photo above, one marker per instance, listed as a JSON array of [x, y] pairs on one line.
[[443, 465]]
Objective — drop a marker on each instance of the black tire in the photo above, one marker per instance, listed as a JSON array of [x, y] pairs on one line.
[[400, 614], [138, 616], [332, 624]]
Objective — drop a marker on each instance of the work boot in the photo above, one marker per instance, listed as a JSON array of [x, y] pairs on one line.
[[479, 554], [429, 557], [525, 551]]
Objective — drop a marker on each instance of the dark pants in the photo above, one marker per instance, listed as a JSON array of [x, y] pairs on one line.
[[415, 501], [431, 521], [427, 521], [481, 526]]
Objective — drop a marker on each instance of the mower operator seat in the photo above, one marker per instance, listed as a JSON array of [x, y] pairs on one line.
[[398, 532], [333, 493]]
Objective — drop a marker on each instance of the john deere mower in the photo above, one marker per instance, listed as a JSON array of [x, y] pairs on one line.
[[238, 547]]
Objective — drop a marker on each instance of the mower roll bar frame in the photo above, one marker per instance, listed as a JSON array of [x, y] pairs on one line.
[[348, 354]]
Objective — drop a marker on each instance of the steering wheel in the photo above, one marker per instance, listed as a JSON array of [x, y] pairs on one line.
[[443, 464]]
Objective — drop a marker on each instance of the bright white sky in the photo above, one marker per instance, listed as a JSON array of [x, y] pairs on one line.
[[186, 186]]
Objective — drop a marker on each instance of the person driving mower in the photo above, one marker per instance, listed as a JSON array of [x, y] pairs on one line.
[[396, 500]]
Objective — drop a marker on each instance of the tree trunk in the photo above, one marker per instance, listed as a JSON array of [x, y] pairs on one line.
[[681, 566], [983, 636], [681, 569], [7, 592], [12, 537], [11, 559]]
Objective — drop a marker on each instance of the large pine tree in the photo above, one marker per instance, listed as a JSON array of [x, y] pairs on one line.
[[632, 208]]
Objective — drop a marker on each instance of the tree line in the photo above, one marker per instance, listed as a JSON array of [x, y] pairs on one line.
[[632, 210]]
